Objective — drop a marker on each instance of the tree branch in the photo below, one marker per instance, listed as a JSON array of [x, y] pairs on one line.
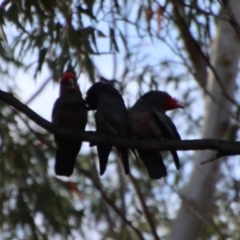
[[147, 214], [200, 65], [225, 148], [111, 204], [194, 49]]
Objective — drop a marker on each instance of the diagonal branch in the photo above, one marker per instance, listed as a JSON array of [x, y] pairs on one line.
[[111, 204], [200, 65], [225, 148], [147, 214], [199, 59]]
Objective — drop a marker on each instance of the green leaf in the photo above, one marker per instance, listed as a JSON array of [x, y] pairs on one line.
[[41, 57], [124, 41], [89, 4], [113, 44], [48, 5], [12, 13], [2, 15], [89, 67], [87, 12]]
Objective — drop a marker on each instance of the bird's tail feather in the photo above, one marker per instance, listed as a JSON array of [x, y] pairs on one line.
[[175, 159], [154, 163], [124, 156], [103, 153], [66, 157]]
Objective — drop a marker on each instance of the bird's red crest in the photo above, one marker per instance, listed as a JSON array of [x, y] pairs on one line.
[[68, 83], [68, 75]]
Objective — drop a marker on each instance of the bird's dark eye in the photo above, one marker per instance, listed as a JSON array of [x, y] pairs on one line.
[[69, 83]]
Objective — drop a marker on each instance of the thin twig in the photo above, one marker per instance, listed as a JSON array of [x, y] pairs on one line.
[[40, 89], [145, 208], [111, 204]]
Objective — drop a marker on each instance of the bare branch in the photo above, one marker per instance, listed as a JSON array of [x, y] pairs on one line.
[[199, 59], [111, 204], [200, 65], [39, 90], [147, 214], [222, 146]]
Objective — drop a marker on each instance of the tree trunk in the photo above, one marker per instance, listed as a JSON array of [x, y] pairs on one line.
[[198, 194]]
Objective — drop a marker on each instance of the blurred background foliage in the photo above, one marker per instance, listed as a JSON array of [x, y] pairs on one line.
[[138, 44]]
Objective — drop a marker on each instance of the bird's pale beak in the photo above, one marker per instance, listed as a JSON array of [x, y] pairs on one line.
[[180, 104]]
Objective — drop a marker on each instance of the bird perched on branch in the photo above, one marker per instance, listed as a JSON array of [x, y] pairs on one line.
[[111, 119], [69, 111], [149, 122]]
